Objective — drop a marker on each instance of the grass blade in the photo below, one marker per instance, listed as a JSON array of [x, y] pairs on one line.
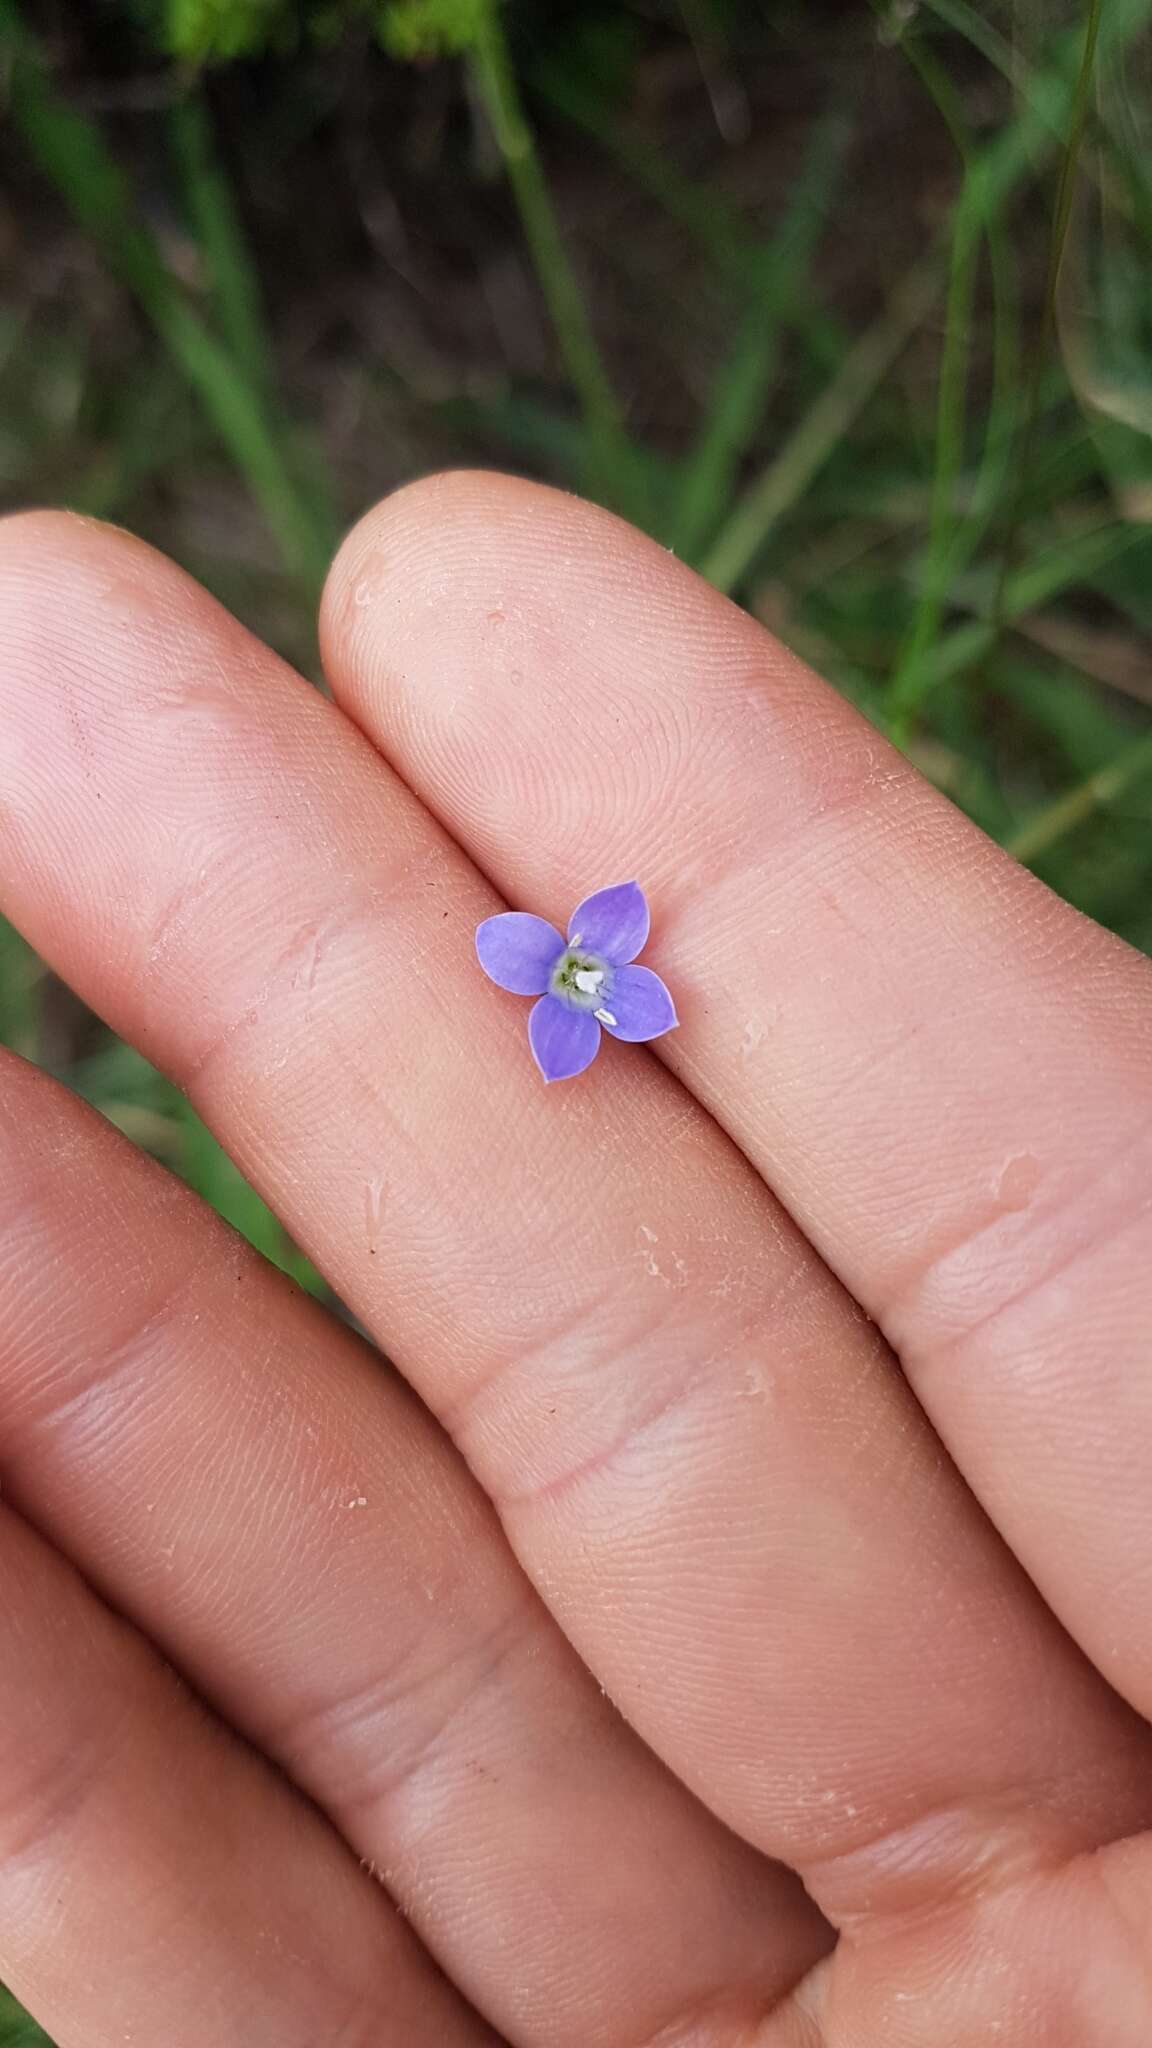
[[1077, 805], [216, 226], [212, 1173], [1061, 213], [1073, 719], [786, 478], [710, 470], [17, 2029], [970, 220], [1000, 168], [19, 976], [1034, 584], [707, 215], [613, 470], [70, 150]]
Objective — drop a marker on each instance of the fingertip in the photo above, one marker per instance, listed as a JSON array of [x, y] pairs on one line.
[[70, 585], [400, 529], [31, 524], [42, 535], [469, 546], [34, 545]]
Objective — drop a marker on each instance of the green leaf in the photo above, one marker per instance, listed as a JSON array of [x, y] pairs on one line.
[[19, 974], [208, 1169], [412, 29], [214, 31]]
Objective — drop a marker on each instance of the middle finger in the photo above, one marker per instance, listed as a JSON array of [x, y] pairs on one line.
[[693, 1436]]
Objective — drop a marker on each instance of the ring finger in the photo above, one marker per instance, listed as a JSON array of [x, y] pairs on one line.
[[158, 1881]]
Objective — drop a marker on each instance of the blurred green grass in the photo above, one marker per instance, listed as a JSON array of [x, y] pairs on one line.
[[849, 304], [16, 2029]]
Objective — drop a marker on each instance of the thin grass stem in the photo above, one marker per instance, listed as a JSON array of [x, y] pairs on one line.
[[613, 470]]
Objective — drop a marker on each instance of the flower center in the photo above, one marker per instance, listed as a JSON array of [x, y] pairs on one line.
[[583, 982]]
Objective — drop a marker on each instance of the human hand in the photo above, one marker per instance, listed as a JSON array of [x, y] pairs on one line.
[[701, 1480]]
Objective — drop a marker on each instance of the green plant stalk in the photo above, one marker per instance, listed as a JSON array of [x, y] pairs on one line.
[[214, 1175], [1080, 108], [955, 536], [709, 217], [1077, 805], [17, 2028], [807, 449], [19, 1005], [1040, 90], [1061, 214], [216, 225], [234, 409], [709, 471], [70, 150], [905, 687], [1072, 717], [1001, 166], [613, 466], [968, 224], [981, 34], [1028, 588], [1000, 432]]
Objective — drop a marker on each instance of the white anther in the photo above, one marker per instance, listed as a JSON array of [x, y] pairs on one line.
[[604, 1016], [588, 980]]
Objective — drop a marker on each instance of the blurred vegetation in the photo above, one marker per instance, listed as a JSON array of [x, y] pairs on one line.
[[848, 303], [16, 2029]]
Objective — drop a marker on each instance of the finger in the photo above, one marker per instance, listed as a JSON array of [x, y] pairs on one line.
[[1061, 1959], [157, 1881], [234, 1470], [696, 1441], [944, 1072]]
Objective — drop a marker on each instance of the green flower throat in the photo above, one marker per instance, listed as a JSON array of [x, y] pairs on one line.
[[584, 982]]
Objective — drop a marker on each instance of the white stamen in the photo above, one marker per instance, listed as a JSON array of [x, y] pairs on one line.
[[604, 1016], [588, 980]]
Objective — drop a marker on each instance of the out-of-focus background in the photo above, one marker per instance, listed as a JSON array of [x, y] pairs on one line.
[[848, 301]]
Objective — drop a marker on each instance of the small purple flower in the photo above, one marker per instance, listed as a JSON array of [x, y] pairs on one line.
[[582, 984]]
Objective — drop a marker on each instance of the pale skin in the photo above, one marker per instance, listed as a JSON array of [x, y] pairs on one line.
[[738, 1632]]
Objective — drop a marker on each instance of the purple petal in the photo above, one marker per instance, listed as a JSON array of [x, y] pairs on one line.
[[518, 952], [640, 1004], [612, 923], [563, 1041]]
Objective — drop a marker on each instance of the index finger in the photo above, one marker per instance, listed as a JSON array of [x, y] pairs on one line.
[[944, 1072]]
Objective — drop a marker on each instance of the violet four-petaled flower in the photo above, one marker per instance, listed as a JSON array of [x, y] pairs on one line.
[[583, 983]]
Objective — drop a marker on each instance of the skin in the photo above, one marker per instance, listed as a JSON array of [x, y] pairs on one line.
[[727, 1623]]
